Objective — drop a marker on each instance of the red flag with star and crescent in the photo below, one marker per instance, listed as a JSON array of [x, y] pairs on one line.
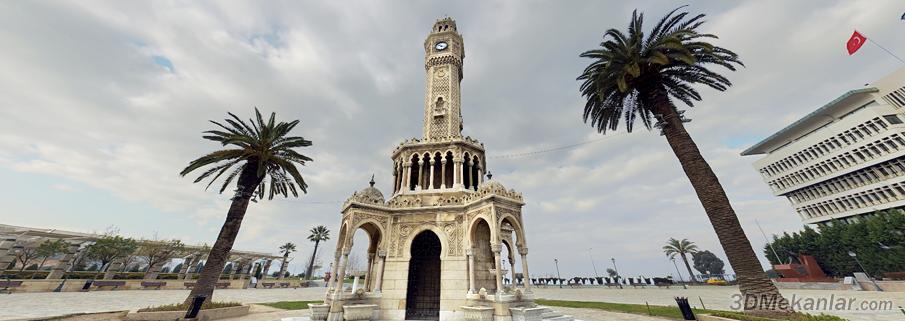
[[855, 42]]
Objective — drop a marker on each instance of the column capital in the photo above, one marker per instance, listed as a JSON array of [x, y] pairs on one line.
[[382, 253], [523, 250], [496, 248], [407, 163], [469, 251]]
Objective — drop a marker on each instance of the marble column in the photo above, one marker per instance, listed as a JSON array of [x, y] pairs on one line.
[[512, 279], [457, 172], [368, 277], [497, 248], [432, 162], [6, 252], [332, 283], [527, 277], [480, 175], [471, 273], [378, 282], [336, 305], [65, 263], [406, 175], [420, 184], [443, 173]]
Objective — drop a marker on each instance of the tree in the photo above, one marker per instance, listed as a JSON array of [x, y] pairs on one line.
[[318, 234], [612, 273], [260, 154], [707, 263], [682, 248], [48, 249], [634, 77], [110, 248], [286, 249], [26, 254], [158, 251]]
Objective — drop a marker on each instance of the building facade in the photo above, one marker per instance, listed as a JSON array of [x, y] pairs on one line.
[[435, 245], [844, 160]]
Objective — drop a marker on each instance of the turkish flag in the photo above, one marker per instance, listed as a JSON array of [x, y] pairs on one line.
[[855, 42]]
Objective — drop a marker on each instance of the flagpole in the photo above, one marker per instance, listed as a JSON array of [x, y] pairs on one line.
[[886, 50]]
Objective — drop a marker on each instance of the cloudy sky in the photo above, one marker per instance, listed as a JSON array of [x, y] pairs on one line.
[[104, 102]]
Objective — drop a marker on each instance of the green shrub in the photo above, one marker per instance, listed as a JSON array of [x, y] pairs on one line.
[[185, 307]]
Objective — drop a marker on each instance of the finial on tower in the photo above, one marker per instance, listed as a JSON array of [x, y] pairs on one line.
[[489, 175], [372, 180]]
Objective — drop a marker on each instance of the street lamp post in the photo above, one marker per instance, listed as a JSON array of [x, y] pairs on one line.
[[855, 256], [592, 263], [558, 276], [677, 269]]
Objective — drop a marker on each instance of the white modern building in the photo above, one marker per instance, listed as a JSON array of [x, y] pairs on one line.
[[845, 159]]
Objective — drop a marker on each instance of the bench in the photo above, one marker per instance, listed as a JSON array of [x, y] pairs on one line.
[[114, 284], [284, 284], [219, 285], [149, 284], [268, 285], [7, 285]]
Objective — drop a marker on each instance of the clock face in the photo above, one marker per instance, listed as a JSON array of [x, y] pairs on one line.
[[441, 45]]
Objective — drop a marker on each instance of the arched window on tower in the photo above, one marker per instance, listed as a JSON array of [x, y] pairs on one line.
[[475, 175], [426, 169], [413, 173], [448, 175], [466, 171], [438, 171]]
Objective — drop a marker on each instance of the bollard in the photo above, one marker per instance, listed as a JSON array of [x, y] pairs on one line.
[[195, 307], [687, 314]]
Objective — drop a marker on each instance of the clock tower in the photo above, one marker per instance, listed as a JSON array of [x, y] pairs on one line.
[[443, 55]]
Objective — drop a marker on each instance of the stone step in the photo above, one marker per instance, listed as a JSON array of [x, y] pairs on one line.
[[560, 318]]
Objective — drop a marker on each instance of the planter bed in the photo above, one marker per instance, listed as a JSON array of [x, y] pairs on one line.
[[207, 314]]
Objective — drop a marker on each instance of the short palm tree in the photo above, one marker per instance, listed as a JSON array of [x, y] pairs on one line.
[[633, 77], [681, 248], [286, 249], [318, 234], [261, 154]]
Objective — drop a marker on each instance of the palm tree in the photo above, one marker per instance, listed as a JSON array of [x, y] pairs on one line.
[[318, 234], [259, 155], [286, 249], [633, 77], [682, 248]]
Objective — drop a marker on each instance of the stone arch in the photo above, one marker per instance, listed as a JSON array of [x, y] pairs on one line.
[[374, 230], [437, 161], [475, 172], [516, 226], [425, 168], [444, 240], [376, 241], [414, 170], [481, 239]]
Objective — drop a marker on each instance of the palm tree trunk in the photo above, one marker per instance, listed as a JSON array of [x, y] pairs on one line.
[[210, 274], [311, 263], [752, 281], [687, 266]]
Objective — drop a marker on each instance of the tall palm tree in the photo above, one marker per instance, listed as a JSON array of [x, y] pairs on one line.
[[318, 234], [260, 154], [633, 77], [682, 248], [286, 249]]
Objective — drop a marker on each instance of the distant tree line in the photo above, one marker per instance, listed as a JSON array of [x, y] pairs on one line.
[[878, 241]]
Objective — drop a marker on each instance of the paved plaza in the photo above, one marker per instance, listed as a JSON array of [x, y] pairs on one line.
[[37, 305]]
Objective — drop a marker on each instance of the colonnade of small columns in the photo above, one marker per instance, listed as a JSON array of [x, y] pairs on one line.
[[438, 171]]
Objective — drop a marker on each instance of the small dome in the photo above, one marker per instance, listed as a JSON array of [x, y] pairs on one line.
[[370, 195], [491, 186]]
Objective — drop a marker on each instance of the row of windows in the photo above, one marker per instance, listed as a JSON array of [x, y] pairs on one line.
[[896, 98], [873, 197], [877, 173], [848, 137], [891, 144]]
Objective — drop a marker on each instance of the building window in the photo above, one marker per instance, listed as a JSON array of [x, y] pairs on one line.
[[892, 119]]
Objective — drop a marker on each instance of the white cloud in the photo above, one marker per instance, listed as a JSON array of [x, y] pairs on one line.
[[85, 101]]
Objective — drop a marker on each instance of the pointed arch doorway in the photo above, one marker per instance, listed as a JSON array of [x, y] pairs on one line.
[[422, 301]]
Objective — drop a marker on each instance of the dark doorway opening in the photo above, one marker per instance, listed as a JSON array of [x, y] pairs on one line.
[[422, 300]]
